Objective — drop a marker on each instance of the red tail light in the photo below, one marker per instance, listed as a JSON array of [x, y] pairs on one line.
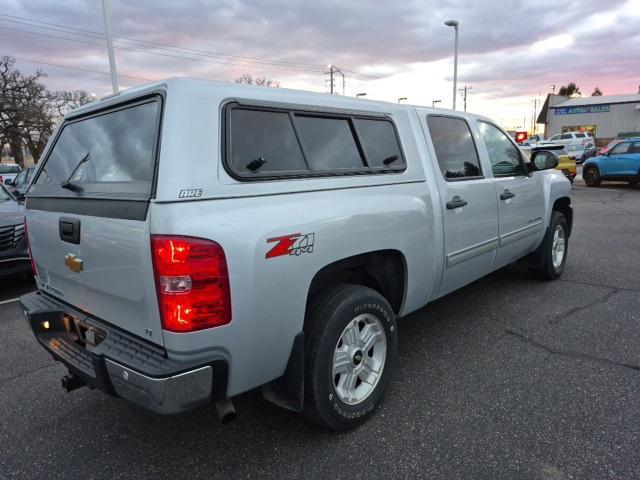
[[0, 178], [33, 263], [192, 283]]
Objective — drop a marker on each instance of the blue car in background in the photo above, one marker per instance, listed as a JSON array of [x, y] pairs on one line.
[[621, 163]]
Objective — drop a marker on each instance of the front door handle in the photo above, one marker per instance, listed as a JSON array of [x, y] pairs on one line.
[[506, 195], [456, 202]]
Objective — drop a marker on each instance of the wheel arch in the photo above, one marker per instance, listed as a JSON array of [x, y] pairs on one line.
[[384, 271], [563, 205]]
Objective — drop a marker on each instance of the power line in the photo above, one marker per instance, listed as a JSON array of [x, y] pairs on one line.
[[69, 67], [148, 52], [279, 64], [163, 46]]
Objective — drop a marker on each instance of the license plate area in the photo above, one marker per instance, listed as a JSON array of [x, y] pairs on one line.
[[85, 334]]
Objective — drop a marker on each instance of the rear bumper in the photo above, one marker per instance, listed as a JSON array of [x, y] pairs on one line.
[[121, 364]]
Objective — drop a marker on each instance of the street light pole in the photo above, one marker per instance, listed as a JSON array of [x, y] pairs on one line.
[[401, 99], [454, 24], [106, 10], [433, 103]]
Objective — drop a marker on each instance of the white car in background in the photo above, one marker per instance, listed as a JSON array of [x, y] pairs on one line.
[[9, 171], [572, 138]]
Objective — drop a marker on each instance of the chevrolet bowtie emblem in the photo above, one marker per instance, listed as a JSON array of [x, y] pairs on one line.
[[73, 262]]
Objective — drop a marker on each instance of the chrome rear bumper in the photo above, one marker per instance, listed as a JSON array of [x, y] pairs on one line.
[[120, 364]]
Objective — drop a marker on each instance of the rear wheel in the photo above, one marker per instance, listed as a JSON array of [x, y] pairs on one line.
[[591, 176], [555, 248], [351, 350]]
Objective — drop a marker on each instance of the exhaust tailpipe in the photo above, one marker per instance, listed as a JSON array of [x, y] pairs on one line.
[[226, 411]]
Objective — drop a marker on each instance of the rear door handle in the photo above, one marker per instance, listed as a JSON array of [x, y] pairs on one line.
[[506, 195], [456, 202]]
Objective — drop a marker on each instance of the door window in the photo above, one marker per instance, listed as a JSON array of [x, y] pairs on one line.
[[455, 150], [620, 148], [504, 156], [635, 148], [566, 136]]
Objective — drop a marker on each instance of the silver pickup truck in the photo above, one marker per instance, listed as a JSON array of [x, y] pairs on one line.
[[193, 240]]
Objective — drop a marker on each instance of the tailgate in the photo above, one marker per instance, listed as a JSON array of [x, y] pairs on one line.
[[87, 216]]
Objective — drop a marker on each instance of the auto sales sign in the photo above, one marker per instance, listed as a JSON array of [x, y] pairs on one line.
[[587, 109]]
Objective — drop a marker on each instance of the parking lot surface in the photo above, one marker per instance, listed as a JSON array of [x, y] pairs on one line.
[[509, 377]]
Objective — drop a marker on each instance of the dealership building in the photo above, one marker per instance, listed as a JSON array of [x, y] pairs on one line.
[[606, 117]]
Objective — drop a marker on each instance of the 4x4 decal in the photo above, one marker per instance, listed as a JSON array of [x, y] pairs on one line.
[[294, 244]]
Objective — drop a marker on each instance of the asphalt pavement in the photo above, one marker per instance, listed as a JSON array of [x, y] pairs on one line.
[[510, 377]]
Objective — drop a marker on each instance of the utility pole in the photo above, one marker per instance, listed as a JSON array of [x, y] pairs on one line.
[[553, 88], [332, 70], [466, 87], [106, 11], [533, 118]]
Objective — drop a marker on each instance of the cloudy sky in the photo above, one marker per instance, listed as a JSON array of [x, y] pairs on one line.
[[510, 51]]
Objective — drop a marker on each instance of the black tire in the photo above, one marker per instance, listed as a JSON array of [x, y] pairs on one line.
[[591, 176], [328, 315], [547, 271], [634, 182]]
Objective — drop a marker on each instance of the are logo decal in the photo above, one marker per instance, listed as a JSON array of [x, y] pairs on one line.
[[294, 244], [190, 193]]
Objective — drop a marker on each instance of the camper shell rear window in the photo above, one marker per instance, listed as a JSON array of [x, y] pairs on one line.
[[262, 143], [109, 153]]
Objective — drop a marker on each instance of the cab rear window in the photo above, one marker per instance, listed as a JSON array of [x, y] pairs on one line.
[[107, 153]]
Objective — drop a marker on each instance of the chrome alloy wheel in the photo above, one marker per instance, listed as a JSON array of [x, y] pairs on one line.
[[558, 247], [358, 360]]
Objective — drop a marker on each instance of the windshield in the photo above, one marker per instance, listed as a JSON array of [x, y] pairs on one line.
[[108, 153], [9, 169]]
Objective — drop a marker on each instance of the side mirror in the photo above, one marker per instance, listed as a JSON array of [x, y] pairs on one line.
[[8, 181], [544, 160]]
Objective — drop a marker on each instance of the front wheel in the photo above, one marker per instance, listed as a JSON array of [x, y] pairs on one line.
[[351, 350], [555, 247], [591, 176]]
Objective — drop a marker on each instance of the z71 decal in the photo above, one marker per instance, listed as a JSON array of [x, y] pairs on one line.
[[294, 244]]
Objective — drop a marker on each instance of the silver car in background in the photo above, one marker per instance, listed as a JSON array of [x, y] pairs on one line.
[[14, 255], [580, 153]]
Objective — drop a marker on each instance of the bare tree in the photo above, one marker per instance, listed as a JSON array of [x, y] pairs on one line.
[[28, 111], [596, 92], [247, 79]]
